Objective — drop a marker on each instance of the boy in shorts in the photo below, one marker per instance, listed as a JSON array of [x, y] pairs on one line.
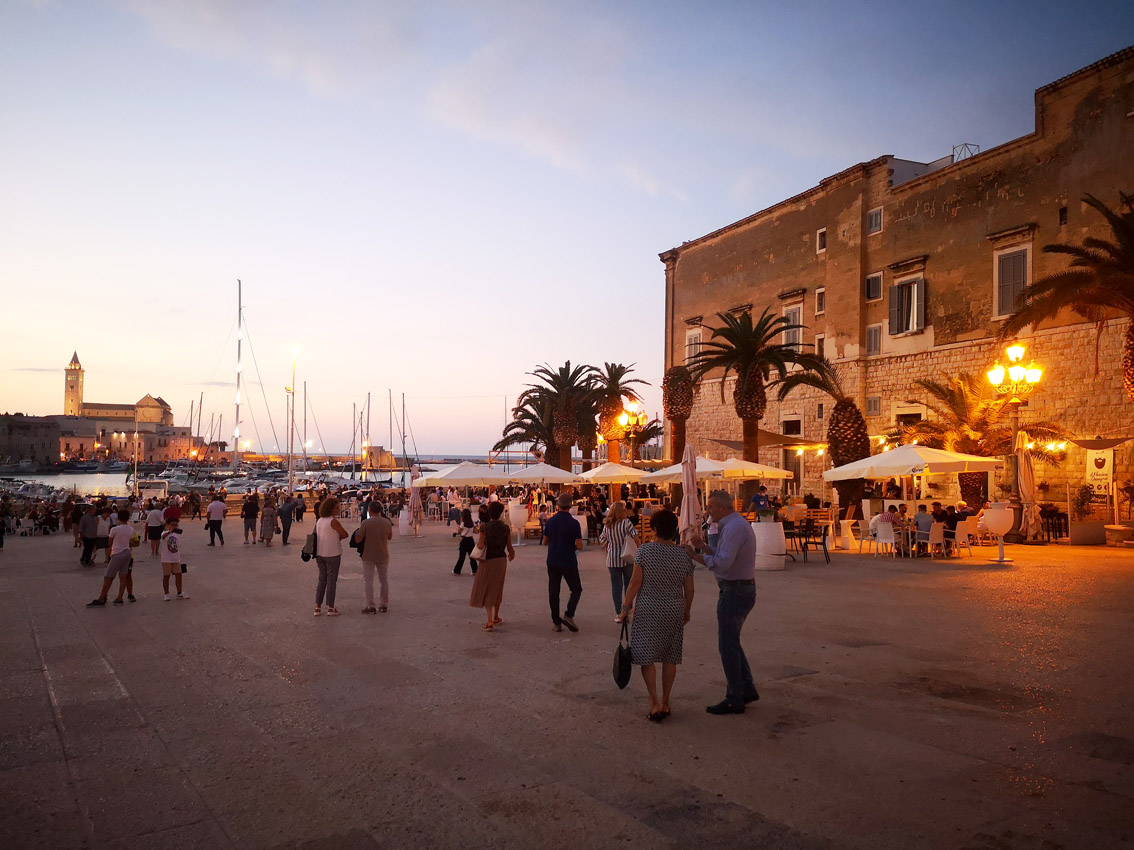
[[122, 540], [171, 558]]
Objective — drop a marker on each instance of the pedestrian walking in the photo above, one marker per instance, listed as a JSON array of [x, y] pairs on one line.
[[215, 513], [660, 596], [488, 584], [88, 531], [287, 514], [300, 507], [268, 521], [329, 535], [171, 559], [373, 539], [733, 563], [249, 512], [121, 540], [616, 529], [466, 531], [563, 537], [102, 534], [78, 511], [155, 523]]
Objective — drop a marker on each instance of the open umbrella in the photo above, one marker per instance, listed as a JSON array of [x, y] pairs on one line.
[[912, 460], [466, 474], [704, 468], [544, 473], [689, 514], [612, 473], [736, 469]]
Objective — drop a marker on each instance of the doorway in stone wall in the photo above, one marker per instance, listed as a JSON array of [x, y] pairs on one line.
[[793, 463]]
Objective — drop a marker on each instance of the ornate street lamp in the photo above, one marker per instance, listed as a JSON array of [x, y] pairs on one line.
[[633, 421], [1015, 381]]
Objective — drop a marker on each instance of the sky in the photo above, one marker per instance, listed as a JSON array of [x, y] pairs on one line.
[[432, 199]]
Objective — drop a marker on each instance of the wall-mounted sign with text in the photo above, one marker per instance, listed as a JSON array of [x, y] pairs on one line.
[[1100, 470]]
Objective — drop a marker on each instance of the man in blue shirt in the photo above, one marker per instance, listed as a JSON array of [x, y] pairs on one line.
[[760, 500], [563, 538], [733, 563]]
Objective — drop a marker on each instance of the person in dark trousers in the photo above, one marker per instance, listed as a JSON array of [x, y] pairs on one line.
[[88, 530], [250, 513], [287, 514], [733, 564], [466, 529], [563, 538]]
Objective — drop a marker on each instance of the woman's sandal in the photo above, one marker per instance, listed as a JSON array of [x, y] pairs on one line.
[[655, 717], [497, 621], [487, 627]]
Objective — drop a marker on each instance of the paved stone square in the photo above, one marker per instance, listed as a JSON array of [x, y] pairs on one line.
[[944, 704]]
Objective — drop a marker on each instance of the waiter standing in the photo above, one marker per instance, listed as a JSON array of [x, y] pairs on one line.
[[733, 562]]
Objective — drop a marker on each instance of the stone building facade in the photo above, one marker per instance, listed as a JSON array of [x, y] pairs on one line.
[[903, 270], [28, 438]]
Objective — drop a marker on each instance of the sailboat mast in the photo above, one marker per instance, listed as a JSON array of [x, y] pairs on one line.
[[366, 441], [239, 339]]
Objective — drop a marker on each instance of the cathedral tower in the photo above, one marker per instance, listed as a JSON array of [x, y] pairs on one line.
[[73, 389]]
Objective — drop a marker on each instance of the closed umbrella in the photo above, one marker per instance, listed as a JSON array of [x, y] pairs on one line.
[[416, 512], [1026, 482], [689, 514]]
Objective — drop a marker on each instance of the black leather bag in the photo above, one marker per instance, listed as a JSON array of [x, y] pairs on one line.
[[622, 662]]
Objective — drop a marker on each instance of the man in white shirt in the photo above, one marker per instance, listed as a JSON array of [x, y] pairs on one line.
[[215, 514], [155, 522], [121, 559]]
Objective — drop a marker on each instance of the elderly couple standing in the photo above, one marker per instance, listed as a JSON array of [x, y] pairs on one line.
[[662, 586]]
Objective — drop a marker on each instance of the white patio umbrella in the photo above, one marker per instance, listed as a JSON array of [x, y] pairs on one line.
[[705, 468], [1026, 481], [912, 460], [544, 473], [612, 473], [736, 469], [689, 514], [430, 479], [466, 474]]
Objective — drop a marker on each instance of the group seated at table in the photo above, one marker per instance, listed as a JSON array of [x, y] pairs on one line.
[[923, 532]]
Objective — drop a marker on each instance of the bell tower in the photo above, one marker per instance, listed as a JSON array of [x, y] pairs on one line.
[[73, 388]]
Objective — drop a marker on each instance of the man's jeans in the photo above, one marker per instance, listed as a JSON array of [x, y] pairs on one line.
[[733, 606], [619, 581], [555, 578]]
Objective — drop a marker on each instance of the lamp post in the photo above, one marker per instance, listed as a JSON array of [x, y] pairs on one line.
[[1015, 381], [632, 421]]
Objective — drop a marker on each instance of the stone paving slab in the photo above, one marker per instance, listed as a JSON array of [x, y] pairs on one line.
[[912, 704]]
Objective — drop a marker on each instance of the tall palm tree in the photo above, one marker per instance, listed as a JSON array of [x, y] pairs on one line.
[[847, 437], [641, 436], [587, 410], [1098, 282], [563, 389], [677, 404], [613, 389], [532, 426], [754, 351], [970, 419]]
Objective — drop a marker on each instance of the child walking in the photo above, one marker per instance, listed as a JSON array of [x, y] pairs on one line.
[[171, 558]]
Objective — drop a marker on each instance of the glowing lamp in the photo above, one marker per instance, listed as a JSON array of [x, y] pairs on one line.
[[631, 407], [1033, 373], [1050, 447], [1015, 352], [799, 452], [996, 375], [1017, 373], [623, 419], [1031, 446], [820, 452], [1062, 446]]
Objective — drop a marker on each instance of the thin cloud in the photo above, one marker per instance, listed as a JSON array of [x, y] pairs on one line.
[[32, 369]]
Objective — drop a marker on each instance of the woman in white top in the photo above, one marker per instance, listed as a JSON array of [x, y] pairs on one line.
[[329, 535], [616, 529]]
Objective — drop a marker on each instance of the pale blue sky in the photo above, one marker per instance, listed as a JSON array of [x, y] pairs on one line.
[[434, 200]]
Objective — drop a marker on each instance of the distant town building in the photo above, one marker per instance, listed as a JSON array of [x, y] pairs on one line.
[[100, 431], [904, 270], [29, 439]]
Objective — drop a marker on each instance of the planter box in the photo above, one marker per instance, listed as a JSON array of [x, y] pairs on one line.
[[1117, 535], [1087, 533]]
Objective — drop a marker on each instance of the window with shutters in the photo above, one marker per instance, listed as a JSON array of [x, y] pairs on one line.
[[819, 410], [907, 306], [1012, 267], [874, 405], [794, 316], [820, 301], [873, 340], [820, 241], [874, 221], [692, 344], [820, 345], [873, 287]]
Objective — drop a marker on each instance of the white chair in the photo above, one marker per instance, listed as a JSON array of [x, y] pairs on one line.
[[937, 538], [864, 535], [886, 538], [965, 529]]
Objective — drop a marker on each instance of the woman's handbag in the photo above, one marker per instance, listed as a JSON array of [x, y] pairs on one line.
[[308, 550], [622, 662], [629, 549], [477, 554]]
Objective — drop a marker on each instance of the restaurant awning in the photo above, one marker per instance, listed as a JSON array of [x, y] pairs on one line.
[[912, 460]]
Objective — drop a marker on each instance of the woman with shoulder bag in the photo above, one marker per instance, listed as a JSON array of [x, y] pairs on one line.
[[466, 530], [614, 536], [488, 584], [329, 536]]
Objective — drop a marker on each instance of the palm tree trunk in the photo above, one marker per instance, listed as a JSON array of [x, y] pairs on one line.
[[677, 442], [850, 493], [752, 454], [565, 458], [551, 456], [588, 455], [973, 485]]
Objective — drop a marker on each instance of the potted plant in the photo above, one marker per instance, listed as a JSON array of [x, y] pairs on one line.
[[1043, 487], [1084, 531]]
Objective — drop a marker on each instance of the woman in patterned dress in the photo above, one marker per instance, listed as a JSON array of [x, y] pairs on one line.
[[661, 597], [617, 529]]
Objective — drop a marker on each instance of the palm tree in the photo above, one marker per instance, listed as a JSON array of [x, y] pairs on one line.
[[1100, 280], [613, 388], [564, 389], [587, 410], [753, 351], [532, 425], [971, 420], [677, 403], [641, 436], [847, 437]]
